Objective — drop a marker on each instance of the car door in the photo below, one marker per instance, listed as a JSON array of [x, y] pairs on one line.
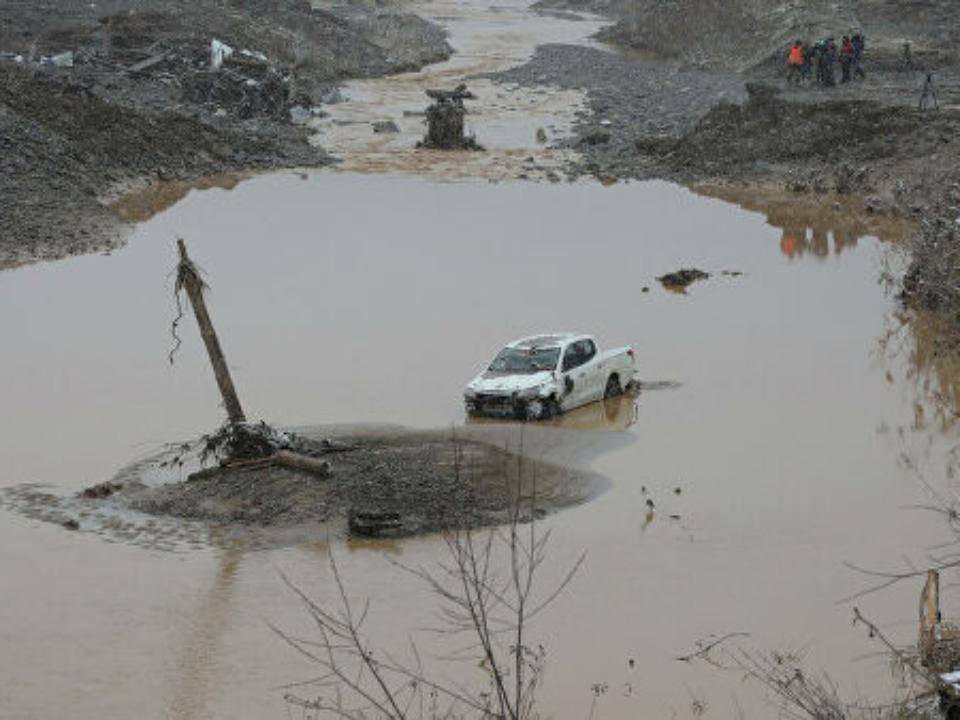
[[576, 374], [591, 369]]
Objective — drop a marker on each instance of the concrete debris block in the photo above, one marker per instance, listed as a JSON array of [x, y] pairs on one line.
[[219, 51], [63, 60], [385, 126]]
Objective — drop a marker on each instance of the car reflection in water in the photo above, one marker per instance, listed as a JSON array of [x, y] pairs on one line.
[[615, 414]]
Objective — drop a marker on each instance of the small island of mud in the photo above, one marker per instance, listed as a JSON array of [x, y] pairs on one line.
[[380, 483]]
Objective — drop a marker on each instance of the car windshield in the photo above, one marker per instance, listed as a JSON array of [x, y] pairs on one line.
[[525, 360]]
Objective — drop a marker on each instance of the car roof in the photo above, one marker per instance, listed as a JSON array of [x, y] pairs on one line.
[[547, 340]]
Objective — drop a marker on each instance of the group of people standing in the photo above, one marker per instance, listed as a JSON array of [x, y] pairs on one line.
[[824, 56]]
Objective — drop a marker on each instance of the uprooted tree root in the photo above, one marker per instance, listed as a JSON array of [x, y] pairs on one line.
[[445, 121]]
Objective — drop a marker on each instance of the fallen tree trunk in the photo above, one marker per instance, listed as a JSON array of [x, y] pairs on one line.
[[296, 461]]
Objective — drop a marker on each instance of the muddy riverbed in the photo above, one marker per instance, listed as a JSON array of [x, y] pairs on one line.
[[781, 396]]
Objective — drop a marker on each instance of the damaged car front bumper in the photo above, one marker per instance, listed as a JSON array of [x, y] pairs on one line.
[[512, 407]]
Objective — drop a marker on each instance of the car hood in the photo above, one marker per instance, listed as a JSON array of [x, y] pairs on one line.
[[503, 383]]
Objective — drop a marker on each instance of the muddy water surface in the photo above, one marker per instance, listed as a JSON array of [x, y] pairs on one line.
[[373, 299], [777, 401]]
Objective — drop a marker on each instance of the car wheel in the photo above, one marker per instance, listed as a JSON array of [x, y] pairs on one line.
[[613, 388]]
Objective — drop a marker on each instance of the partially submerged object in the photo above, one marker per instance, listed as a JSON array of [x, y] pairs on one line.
[[681, 279], [939, 641], [238, 441], [445, 121], [939, 646], [542, 376]]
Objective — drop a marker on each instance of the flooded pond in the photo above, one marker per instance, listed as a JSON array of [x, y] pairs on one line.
[[352, 298], [780, 396]]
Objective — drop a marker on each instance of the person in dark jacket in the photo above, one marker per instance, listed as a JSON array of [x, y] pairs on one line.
[[819, 49], [829, 61], [807, 67], [858, 47]]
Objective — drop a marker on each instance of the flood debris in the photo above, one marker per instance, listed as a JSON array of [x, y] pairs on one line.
[[237, 441], [680, 280], [385, 126], [939, 641], [219, 51], [101, 490], [188, 279], [445, 121], [374, 523]]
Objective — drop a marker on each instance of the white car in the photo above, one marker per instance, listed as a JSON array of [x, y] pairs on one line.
[[541, 376]]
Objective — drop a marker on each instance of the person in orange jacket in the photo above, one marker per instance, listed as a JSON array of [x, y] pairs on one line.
[[795, 63]]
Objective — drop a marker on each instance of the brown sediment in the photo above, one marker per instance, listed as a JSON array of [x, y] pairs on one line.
[[424, 481]]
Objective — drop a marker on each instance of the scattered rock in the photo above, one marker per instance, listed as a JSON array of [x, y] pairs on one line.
[[597, 137], [373, 523], [101, 491], [385, 126]]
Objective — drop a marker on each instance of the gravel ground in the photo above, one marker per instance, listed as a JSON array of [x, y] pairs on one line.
[[140, 102], [627, 99], [654, 119]]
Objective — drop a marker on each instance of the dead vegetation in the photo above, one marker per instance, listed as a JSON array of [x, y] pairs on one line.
[[490, 594]]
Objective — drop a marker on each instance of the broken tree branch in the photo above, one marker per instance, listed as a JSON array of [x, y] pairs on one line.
[[189, 279]]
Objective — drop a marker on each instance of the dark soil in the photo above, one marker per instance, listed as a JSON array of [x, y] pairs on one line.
[[141, 102], [420, 482]]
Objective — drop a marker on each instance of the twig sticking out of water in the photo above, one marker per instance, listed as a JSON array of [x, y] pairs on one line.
[[489, 601]]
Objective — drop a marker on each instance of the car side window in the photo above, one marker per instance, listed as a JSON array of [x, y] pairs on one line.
[[578, 353], [589, 350], [572, 358]]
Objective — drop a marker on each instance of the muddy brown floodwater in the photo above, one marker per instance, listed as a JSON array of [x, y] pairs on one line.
[[774, 400]]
